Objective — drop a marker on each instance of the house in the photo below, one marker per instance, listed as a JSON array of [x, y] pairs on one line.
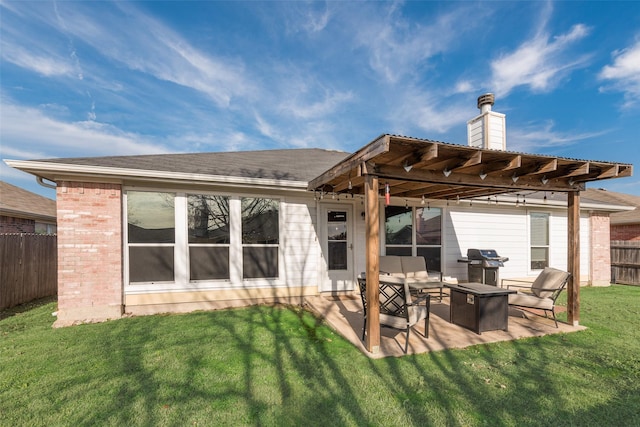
[[22, 211], [179, 232], [624, 225]]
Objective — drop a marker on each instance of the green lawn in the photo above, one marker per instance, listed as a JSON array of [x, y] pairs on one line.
[[271, 366]]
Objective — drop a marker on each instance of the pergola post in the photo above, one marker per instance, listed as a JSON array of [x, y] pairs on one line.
[[372, 219], [573, 260]]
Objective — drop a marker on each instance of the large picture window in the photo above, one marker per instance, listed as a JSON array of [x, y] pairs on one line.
[[260, 237], [151, 236], [181, 240], [414, 231], [539, 238], [209, 237]]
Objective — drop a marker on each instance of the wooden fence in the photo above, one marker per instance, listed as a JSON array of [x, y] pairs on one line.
[[625, 262], [28, 268]]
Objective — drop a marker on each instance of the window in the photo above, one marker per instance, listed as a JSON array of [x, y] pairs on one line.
[[425, 239], [209, 237], [43, 228], [260, 238], [539, 238], [337, 240], [151, 236], [181, 240], [429, 236]]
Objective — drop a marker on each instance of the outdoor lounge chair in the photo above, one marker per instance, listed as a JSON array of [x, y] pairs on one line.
[[543, 292], [398, 309]]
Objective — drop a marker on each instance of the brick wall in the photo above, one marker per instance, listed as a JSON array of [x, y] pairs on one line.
[[89, 252], [625, 232], [10, 225], [600, 268]]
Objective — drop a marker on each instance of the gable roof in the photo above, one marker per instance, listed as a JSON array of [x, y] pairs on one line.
[[19, 203], [611, 197]]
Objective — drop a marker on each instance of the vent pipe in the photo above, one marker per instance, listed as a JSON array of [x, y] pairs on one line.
[[485, 102]]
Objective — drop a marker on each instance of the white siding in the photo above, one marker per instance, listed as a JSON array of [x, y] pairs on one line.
[[484, 227], [300, 243], [506, 229]]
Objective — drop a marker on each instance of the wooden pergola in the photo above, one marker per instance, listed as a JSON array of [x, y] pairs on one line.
[[415, 168]]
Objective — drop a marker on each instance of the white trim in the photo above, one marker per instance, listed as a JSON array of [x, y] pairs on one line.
[[235, 235], [181, 248], [149, 175], [181, 280], [550, 243]]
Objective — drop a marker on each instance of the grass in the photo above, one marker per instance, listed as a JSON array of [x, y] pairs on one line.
[[280, 366]]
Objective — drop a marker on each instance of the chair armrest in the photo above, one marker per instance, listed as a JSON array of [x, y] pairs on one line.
[[502, 282], [419, 299], [518, 286]]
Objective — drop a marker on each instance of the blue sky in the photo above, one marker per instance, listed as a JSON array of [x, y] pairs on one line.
[[103, 78]]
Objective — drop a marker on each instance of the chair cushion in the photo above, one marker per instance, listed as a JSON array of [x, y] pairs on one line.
[[528, 300], [548, 281], [414, 264], [416, 314], [391, 264]]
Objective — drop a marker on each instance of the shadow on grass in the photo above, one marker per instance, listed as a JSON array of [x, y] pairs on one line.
[[267, 365], [22, 308]]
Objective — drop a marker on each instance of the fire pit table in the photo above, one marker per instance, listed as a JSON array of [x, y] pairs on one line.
[[479, 307]]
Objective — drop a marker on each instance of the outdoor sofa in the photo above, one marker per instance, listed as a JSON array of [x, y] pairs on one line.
[[413, 269]]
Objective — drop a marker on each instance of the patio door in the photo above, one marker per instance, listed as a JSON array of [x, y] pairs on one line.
[[337, 248]]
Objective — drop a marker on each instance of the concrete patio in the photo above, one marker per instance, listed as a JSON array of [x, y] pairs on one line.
[[344, 314]]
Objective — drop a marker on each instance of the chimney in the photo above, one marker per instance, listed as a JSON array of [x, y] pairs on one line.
[[487, 130]]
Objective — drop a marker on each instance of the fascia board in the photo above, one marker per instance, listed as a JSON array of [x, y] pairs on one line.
[[47, 168]]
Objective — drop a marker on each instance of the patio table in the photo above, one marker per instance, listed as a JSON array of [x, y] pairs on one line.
[[421, 286]]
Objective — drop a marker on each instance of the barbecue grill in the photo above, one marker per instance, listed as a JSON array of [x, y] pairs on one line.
[[483, 265]]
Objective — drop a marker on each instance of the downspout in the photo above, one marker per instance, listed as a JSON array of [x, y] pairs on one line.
[[40, 181]]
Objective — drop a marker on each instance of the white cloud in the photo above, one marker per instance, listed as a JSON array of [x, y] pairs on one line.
[[29, 133], [398, 48], [464, 86], [45, 65], [624, 72], [540, 63], [309, 109], [535, 136], [167, 56], [431, 113]]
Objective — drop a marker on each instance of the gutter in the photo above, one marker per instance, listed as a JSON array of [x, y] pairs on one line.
[[39, 168]]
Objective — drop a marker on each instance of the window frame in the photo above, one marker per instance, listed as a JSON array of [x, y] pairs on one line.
[[254, 246], [131, 245], [532, 246], [194, 245], [181, 244], [414, 247]]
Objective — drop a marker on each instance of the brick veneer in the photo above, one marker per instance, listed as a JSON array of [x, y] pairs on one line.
[[9, 224], [625, 232], [89, 252], [600, 255]]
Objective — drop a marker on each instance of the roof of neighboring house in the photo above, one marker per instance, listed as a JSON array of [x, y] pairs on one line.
[[20, 203], [611, 197], [302, 164]]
